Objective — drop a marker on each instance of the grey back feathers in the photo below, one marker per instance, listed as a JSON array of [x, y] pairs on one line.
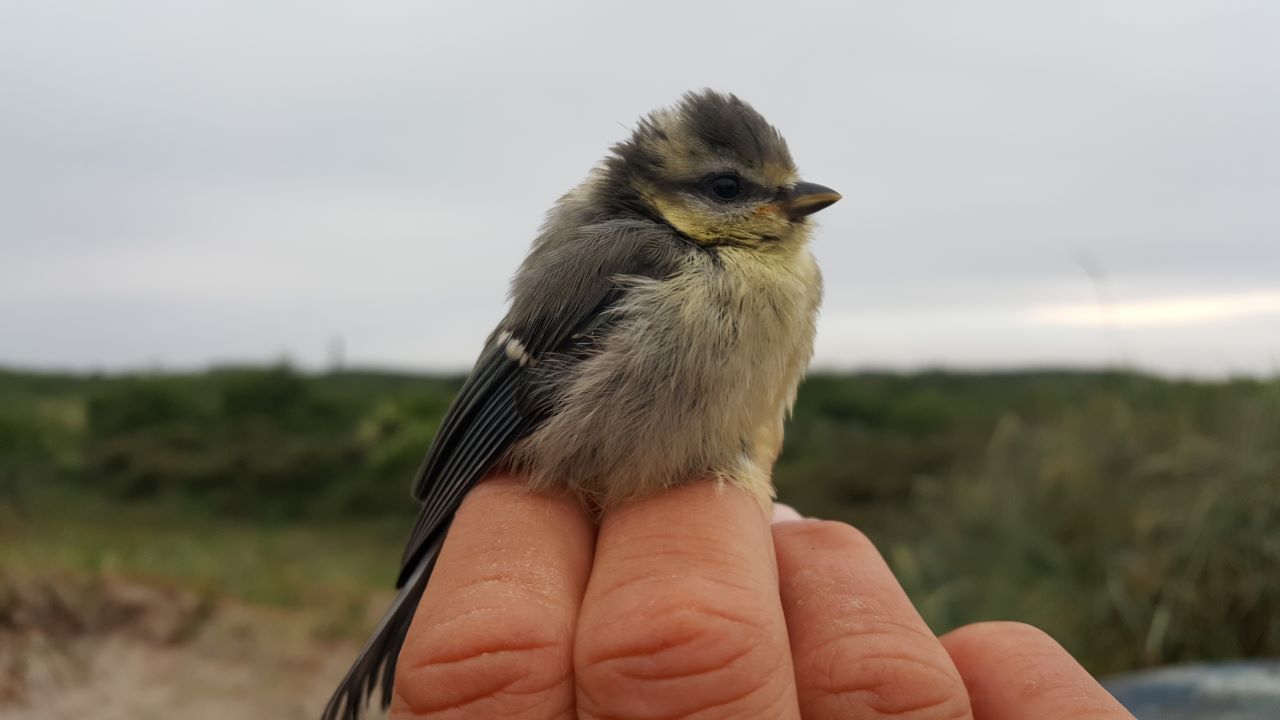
[[654, 338]]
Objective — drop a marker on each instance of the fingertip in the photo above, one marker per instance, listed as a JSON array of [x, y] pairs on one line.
[[861, 648], [785, 513], [1014, 670], [704, 512]]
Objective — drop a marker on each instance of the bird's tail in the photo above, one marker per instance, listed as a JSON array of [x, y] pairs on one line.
[[376, 664]]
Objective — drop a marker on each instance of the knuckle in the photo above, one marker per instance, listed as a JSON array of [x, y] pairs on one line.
[[723, 662], [1017, 646], [1062, 698], [868, 676], [1074, 703], [1024, 655], [487, 662], [824, 533], [1006, 631], [492, 489]]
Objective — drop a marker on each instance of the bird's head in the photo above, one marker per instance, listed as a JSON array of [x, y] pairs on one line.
[[717, 172]]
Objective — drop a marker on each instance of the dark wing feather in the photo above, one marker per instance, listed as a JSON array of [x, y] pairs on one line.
[[483, 422], [491, 369], [492, 428], [561, 305], [376, 663]]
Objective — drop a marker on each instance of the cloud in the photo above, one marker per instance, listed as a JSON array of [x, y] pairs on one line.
[[184, 182], [1174, 311]]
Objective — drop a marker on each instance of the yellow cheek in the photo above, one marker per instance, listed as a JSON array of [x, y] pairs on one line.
[[769, 221], [685, 220], [766, 221]]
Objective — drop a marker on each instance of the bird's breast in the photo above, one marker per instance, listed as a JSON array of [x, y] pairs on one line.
[[694, 367]]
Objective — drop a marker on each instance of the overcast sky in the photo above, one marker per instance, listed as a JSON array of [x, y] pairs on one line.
[[1084, 183]]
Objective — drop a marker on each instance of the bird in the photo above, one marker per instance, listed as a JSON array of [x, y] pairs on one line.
[[657, 332]]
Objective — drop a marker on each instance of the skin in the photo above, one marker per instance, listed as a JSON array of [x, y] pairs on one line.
[[692, 604]]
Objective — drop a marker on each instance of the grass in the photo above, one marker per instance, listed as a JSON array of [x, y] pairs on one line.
[[1135, 518], [1132, 550], [284, 563]]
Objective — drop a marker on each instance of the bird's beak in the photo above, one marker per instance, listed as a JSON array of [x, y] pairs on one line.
[[806, 198]]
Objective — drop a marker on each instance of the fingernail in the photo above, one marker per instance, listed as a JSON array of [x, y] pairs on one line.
[[785, 513]]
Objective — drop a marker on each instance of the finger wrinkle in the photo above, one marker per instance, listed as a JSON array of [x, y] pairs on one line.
[[945, 706], [679, 662], [439, 622], [492, 649], [891, 684], [502, 696], [725, 582], [734, 704], [667, 674], [513, 586], [421, 707], [679, 626], [655, 646]]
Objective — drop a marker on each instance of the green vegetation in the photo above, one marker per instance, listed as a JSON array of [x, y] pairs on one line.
[[1135, 518]]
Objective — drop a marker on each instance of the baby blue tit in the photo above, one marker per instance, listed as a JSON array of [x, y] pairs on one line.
[[657, 332]]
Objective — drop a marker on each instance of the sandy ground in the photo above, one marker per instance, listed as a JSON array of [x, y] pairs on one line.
[[174, 658]]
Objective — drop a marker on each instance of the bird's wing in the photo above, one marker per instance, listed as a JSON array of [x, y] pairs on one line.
[[484, 420], [376, 663], [559, 301], [563, 289]]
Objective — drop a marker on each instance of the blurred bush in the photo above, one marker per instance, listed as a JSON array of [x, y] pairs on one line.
[[248, 443], [1135, 518]]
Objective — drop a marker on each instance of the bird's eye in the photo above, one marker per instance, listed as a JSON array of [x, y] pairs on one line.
[[726, 187]]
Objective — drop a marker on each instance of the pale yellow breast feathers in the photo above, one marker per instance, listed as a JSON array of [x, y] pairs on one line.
[[694, 380]]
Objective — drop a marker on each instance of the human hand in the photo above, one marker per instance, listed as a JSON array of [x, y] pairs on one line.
[[691, 604]]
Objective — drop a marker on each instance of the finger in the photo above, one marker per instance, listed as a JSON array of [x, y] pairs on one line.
[[493, 635], [861, 650], [681, 616], [1016, 671], [785, 513]]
